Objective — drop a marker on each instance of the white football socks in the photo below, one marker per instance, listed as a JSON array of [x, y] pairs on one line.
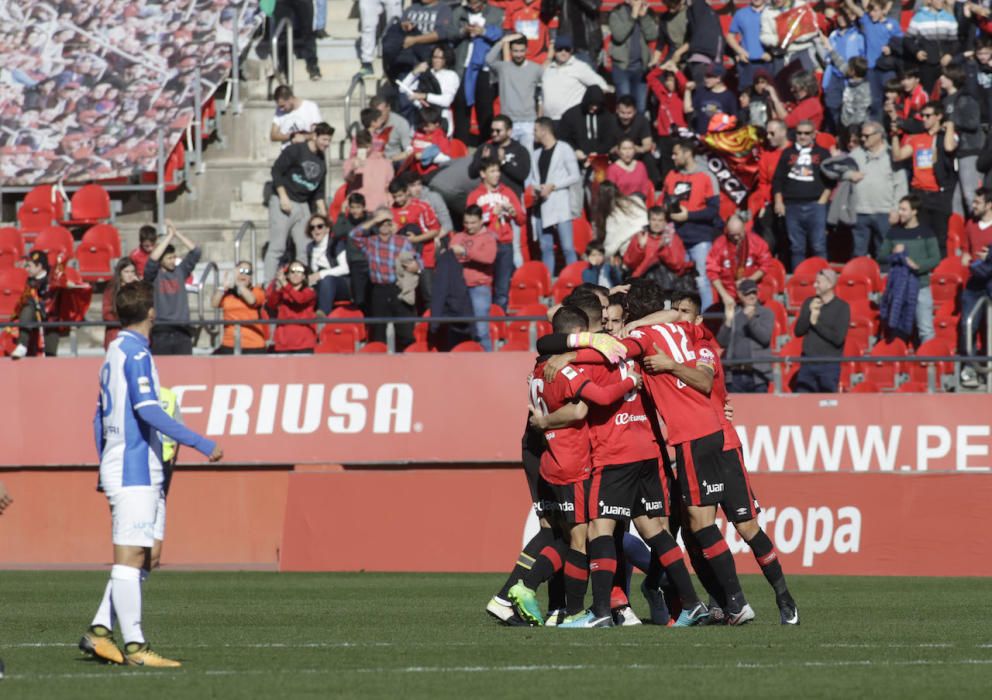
[[105, 613], [126, 597]]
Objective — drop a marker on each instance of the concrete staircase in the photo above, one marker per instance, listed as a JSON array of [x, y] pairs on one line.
[[229, 190]]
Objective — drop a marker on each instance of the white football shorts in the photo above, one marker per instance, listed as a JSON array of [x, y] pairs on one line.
[[159, 530], [134, 513]]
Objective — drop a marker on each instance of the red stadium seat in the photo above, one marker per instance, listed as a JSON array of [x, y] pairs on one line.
[[497, 329], [955, 234], [781, 319], [865, 387], [468, 346], [55, 241], [95, 261], [945, 326], [798, 289], [351, 312], [810, 266], [884, 373], [516, 345], [529, 283], [458, 149], [914, 388], [945, 285], [419, 346], [853, 347], [520, 330], [337, 338], [775, 273], [853, 288], [374, 347], [45, 197], [12, 284], [420, 330], [864, 310], [338, 202], [865, 267], [860, 329], [574, 272], [581, 233], [105, 234], [89, 205], [11, 247], [918, 371]]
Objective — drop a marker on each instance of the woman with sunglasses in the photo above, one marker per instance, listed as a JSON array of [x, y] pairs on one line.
[[240, 300], [291, 298], [328, 263]]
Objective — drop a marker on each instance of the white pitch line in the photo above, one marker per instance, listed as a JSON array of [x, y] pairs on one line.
[[505, 669]]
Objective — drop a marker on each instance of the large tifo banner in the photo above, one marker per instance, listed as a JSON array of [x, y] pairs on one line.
[[459, 408]]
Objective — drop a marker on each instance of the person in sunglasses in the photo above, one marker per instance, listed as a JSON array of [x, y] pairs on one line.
[[328, 264]]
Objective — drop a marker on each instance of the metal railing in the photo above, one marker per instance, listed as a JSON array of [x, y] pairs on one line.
[[285, 26], [983, 304], [246, 228], [357, 82]]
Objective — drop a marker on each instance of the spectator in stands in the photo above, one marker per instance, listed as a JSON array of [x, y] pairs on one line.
[[418, 190], [291, 298], [977, 240], [353, 216], [416, 220], [410, 41], [125, 272], [746, 336], [632, 26], [856, 100], [964, 112], [298, 177], [782, 49], [617, 218], [295, 117], [876, 191], [434, 85], [668, 88], [931, 40], [36, 306], [913, 245], [807, 102], [566, 79], [632, 124], [502, 213], [606, 273], [771, 228], [147, 237], [519, 80], [701, 104], [368, 171], [513, 157], [479, 27], [531, 20], [693, 205], [704, 41], [300, 14], [328, 264], [739, 254], [398, 140], [431, 147], [744, 39], [171, 334], [475, 249], [368, 15], [555, 176], [932, 163], [388, 253], [579, 19], [658, 253], [588, 127], [843, 45], [240, 300], [822, 324], [801, 194], [879, 30], [628, 173]]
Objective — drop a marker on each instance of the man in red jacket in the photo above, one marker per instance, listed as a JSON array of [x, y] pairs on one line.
[[503, 214], [656, 244], [772, 230], [475, 249], [736, 255]]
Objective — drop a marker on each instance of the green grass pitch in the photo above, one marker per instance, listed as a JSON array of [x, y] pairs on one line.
[[282, 636]]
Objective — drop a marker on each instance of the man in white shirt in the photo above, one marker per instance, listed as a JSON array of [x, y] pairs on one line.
[[294, 118], [566, 79]]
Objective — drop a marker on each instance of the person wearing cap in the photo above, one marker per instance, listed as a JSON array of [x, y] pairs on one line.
[[822, 324], [738, 255], [566, 79], [746, 336], [34, 307], [701, 103]]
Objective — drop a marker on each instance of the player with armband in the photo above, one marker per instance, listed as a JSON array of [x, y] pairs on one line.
[[127, 427]]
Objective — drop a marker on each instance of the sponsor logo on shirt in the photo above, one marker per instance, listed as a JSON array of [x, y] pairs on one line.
[[625, 418], [144, 385], [712, 488]]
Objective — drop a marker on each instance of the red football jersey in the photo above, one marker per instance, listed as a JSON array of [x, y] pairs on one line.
[[687, 412], [567, 459], [718, 394], [419, 212], [619, 433]]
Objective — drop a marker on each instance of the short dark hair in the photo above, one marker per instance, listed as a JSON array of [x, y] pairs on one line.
[[984, 193], [397, 184], [643, 298], [618, 299], [369, 115], [546, 123], [595, 288], [488, 163], [429, 115], [518, 41], [859, 66], [955, 73], [910, 72], [626, 101], [914, 201], [893, 85], [589, 302], [378, 101], [937, 107], [363, 139], [505, 120], [657, 210], [147, 233], [356, 198], [410, 177], [569, 319], [692, 297], [473, 210], [283, 92], [690, 145], [133, 302], [596, 246], [323, 129], [168, 250]]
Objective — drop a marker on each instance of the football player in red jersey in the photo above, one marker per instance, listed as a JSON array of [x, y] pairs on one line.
[[694, 427], [630, 483], [565, 488], [738, 502]]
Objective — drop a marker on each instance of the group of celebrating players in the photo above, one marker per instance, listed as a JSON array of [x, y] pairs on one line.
[[596, 461]]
